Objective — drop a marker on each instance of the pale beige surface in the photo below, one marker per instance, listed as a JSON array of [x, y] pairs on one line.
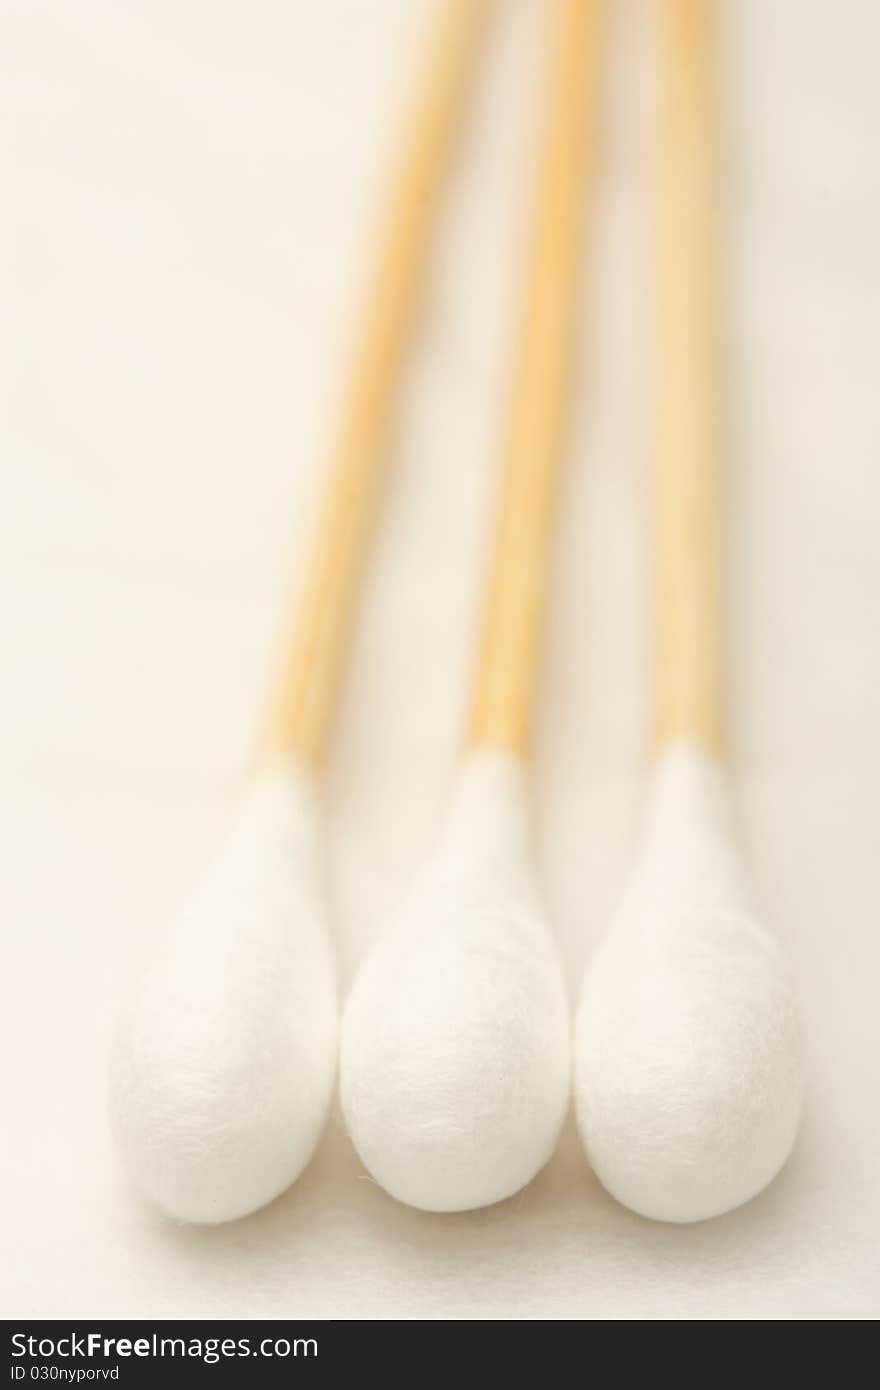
[[185, 212]]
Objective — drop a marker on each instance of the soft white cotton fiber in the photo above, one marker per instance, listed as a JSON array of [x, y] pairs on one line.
[[687, 1077], [455, 1041], [226, 1055]]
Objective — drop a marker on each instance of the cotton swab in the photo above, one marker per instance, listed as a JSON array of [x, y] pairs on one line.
[[687, 1073], [455, 1042], [226, 1055]]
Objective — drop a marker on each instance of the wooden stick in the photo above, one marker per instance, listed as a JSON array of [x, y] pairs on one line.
[[505, 673], [304, 697], [686, 481]]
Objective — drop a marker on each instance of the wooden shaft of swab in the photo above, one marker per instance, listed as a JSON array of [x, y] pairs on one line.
[[507, 656], [686, 472], [304, 696]]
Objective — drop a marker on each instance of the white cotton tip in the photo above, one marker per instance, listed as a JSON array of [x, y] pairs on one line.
[[226, 1056], [687, 1075], [455, 1040]]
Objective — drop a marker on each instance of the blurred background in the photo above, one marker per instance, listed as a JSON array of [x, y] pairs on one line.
[[190, 193]]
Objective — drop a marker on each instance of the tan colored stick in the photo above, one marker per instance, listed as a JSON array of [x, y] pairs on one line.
[[505, 674], [686, 482], [304, 697]]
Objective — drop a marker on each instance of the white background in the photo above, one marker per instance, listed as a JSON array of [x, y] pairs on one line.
[[189, 190]]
